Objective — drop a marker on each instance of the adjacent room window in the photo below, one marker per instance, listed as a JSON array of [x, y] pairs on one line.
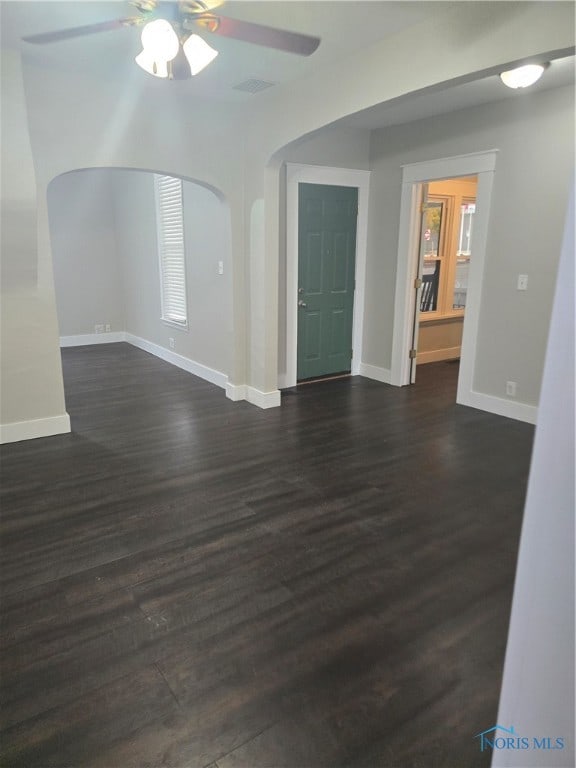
[[170, 226], [447, 241]]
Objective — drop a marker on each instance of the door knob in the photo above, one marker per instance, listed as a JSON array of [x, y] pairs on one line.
[[302, 303]]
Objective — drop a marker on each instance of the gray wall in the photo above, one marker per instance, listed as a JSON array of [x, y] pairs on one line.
[[534, 136], [104, 241], [336, 145], [538, 682], [207, 240], [31, 386], [87, 274]]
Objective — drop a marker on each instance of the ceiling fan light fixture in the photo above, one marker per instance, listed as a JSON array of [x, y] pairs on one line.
[[160, 41], [198, 53], [158, 68], [522, 77]]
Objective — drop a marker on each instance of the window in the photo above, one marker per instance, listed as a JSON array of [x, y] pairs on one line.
[[448, 220], [467, 211], [434, 237], [170, 226]]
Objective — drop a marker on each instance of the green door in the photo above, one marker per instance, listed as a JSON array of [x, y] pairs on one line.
[[326, 263]]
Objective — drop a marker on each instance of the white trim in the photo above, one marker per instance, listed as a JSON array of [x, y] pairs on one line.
[[376, 373], [174, 324], [341, 177], [197, 369], [92, 338], [509, 408], [263, 399], [474, 290], [408, 242], [481, 164], [30, 430], [437, 355], [162, 246], [448, 167], [235, 392]]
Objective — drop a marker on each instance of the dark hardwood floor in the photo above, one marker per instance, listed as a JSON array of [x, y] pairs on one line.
[[192, 582]]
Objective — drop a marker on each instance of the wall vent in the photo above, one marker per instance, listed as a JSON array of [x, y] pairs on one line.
[[253, 85]]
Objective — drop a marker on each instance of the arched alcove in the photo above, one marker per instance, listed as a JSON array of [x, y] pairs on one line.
[[106, 269]]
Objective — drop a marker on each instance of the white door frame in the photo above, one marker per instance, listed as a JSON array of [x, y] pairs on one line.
[[481, 164], [340, 177]]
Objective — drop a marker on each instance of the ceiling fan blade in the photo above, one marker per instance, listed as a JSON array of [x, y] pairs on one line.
[[88, 29], [282, 40]]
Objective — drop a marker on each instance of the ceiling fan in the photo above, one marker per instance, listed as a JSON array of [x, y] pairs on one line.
[[171, 49]]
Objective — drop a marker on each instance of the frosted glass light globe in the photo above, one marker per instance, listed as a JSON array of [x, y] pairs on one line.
[[522, 77], [198, 53], [148, 64], [160, 41]]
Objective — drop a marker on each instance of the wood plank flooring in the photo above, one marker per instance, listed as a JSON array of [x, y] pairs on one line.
[[191, 582]]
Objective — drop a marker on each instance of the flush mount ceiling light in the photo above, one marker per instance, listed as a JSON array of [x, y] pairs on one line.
[[522, 77]]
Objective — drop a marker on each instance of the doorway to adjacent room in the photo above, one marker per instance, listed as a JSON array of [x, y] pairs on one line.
[[445, 250]]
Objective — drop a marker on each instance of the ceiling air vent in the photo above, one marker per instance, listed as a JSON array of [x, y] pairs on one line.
[[253, 85]]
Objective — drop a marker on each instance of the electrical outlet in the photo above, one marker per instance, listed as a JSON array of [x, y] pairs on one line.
[[99, 328], [108, 328], [171, 343], [220, 267], [511, 388], [522, 282]]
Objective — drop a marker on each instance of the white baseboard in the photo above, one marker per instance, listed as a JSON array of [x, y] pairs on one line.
[[501, 407], [263, 399], [437, 355], [29, 430], [235, 392], [202, 371], [92, 338], [376, 373]]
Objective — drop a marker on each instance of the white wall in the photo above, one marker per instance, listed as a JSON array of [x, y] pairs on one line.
[[534, 136], [207, 339], [537, 695], [87, 274]]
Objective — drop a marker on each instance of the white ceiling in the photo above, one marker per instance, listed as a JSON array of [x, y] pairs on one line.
[[441, 100], [343, 26]]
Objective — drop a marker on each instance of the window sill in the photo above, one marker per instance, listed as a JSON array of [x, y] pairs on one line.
[[435, 317], [174, 324]]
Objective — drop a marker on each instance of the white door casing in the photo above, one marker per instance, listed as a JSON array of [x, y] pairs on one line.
[[482, 165], [341, 177]]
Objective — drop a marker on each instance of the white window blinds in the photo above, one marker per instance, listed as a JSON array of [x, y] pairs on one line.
[[170, 225]]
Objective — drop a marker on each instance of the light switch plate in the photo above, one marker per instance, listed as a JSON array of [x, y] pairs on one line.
[[522, 282]]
